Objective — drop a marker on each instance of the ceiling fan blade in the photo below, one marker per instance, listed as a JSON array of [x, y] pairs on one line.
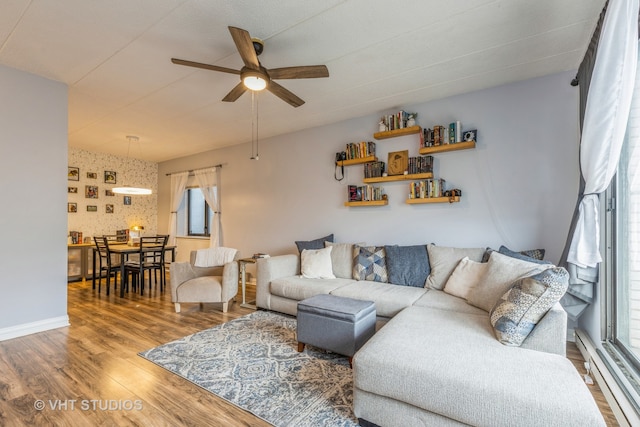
[[204, 66], [247, 52], [303, 72], [284, 94], [235, 93]]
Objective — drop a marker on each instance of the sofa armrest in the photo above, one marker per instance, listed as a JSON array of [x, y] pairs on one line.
[[550, 334], [268, 269], [179, 272], [229, 280]]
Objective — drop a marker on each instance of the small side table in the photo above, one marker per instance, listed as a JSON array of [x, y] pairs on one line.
[[242, 263]]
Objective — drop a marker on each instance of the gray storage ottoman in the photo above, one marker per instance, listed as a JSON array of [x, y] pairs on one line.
[[338, 324]]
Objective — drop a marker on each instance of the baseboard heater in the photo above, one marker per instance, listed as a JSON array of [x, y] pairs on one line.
[[622, 404]]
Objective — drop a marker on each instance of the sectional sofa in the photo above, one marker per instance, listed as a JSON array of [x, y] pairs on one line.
[[459, 341]]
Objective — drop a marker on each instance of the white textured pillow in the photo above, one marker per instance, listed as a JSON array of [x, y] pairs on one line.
[[316, 263], [342, 258], [466, 275], [502, 271], [443, 261]]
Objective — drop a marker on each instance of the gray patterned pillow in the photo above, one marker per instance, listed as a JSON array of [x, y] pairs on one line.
[[519, 310], [369, 263]]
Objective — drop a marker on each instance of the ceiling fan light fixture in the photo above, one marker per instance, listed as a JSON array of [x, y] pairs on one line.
[[128, 189], [254, 82]]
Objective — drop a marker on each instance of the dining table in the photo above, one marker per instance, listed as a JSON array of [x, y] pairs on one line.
[[124, 249]]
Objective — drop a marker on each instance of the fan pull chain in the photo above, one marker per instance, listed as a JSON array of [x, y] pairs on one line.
[[254, 125]]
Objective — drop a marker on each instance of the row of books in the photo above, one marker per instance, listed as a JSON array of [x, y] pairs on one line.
[[357, 150], [364, 193], [427, 188], [374, 169], [442, 135], [76, 237], [396, 121], [420, 164]]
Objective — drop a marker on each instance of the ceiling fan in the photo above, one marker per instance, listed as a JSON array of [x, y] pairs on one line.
[[254, 76]]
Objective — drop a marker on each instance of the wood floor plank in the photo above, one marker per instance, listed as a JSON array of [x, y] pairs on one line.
[[95, 363]]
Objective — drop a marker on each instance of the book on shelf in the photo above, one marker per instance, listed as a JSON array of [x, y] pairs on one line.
[[358, 150], [364, 193], [420, 164], [374, 169], [396, 121], [427, 188], [443, 135]]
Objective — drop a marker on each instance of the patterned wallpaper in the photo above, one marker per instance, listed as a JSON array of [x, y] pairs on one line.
[[94, 178]]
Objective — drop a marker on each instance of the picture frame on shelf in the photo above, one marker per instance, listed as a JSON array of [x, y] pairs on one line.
[[91, 191], [92, 175], [92, 208], [109, 208], [73, 173], [398, 162], [72, 207], [110, 177]]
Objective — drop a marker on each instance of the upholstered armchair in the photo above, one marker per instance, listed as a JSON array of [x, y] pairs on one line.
[[193, 284]]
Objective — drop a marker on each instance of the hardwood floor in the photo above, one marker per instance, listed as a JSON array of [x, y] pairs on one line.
[[90, 373]]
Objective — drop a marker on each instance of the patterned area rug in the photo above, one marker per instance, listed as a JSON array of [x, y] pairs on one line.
[[253, 363]]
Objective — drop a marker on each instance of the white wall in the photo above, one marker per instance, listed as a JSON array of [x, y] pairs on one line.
[[33, 169], [518, 185]]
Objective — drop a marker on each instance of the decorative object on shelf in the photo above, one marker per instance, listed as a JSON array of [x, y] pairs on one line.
[[254, 76], [73, 173], [109, 177], [72, 207], [398, 162], [471, 135], [340, 157], [128, 189], [411, 119]]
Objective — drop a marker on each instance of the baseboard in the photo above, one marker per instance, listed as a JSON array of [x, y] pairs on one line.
[[616, 396], [33, 327]]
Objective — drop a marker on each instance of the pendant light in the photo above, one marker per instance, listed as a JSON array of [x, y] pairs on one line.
[[128, 189]]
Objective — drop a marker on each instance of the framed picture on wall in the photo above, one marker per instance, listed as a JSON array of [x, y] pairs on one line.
[[127, 200], [109, 208], [73, 174], [109, 193], [72, 190], [91, 191], [398, 162], [92, 175], [92, 208], [72, 207], [109, 177]]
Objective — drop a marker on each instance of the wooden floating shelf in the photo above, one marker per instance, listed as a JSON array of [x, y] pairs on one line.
[[397, 132], [453, 199], [427, 175], [368, 203], [358, 161], [448, 147]]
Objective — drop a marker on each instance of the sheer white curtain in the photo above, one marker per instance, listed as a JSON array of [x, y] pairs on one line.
[[178, 184], [208, 181], [605, 121]]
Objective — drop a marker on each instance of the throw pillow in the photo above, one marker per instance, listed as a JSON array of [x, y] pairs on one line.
[[369, 263], [531, 255], [502, 271], [316, 264], [525, 303], [407, 265], [313, 244], [342, 258], [464, 277], [443, 261]]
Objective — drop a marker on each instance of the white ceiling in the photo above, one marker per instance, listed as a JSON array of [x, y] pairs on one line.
[[382, 55]]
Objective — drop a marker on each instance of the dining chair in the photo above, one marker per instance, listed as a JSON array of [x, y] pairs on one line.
[[150, 258], [106, 264]]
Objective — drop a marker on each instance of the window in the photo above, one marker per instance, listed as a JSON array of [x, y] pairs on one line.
[[194, 214], [622, 223]]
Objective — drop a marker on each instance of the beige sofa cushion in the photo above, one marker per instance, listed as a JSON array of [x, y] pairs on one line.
[[465, 276], [443, 260], [389, 299], [299, 288], [444, 301], [502, 271]]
